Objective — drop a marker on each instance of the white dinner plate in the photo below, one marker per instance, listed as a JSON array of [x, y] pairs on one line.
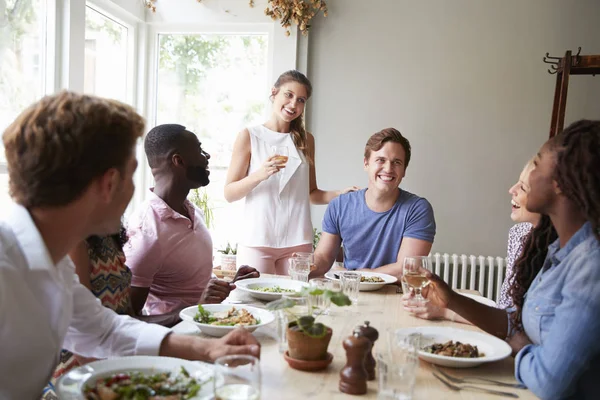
[[493, 348], [480, 299], [366, 286], [251, 286], [71, 385], [187, 314]]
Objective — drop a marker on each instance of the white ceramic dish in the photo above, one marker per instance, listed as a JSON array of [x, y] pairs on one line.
[[250, 286], [71, 385], [366, 286], [480, 299], [187, 314], [493, 348]]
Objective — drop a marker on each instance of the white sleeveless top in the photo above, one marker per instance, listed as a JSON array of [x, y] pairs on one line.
[[277, 211]]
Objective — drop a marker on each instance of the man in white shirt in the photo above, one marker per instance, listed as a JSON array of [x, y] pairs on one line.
[[71, 160]]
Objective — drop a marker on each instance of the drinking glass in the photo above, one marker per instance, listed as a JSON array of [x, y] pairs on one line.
[[397, 368], [396, 382], [309, 256], [280, 155], [299, 269], [284, 317], [237, 377], [414, 271], [318, 303], [350, 284]]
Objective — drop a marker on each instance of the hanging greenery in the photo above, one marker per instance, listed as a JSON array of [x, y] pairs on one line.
[[298, 12]]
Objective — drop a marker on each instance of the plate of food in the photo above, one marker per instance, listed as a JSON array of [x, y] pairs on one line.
[[219, 319], [141, 376], [269, 289], [458, 348], [369, 281]]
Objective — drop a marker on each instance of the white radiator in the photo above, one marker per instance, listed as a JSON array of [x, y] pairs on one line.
[[484, 274]]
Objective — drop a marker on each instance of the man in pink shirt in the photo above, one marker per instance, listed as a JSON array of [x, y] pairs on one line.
[[169, 250]]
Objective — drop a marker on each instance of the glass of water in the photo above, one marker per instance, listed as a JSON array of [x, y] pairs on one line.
[[396, 381], [350, 284], [319, 303], [237, 377], [284, 317], [397, 368], [299, 269]]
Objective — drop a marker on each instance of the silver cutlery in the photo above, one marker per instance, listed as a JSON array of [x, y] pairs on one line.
[[474, 388], [475, 379]]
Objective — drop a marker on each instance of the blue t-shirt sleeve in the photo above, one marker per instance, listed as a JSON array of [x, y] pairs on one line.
[[420, 223], [331, 222]]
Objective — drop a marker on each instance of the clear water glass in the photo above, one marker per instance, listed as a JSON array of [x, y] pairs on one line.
[[237, 377], [284, 317], [282, 321], [350, 284], [309, 256], [397, 367], [299, 269], [396, 382], [318, 303]]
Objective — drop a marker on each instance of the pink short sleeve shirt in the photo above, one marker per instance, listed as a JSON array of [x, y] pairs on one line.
[[170, 254]]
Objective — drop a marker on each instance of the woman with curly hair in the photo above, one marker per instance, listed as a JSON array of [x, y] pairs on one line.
[[554, 325], [525, 221]]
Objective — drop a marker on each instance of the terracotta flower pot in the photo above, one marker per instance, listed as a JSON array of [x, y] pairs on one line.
[[304, 347]]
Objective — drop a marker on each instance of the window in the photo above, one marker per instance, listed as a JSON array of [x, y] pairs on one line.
[[22, 66], [215, 85], [106, 56]]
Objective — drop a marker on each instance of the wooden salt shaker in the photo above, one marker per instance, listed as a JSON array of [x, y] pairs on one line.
[[353, 377], [371, 334]]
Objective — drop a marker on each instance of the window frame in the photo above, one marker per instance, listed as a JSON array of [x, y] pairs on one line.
[[153, 33], [48, 59]]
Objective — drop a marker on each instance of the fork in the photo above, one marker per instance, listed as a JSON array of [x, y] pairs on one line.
[[475, 379], [475, 388]]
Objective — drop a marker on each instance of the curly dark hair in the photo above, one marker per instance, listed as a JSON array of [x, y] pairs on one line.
[[577, 169], [95, 242], [529, 263]]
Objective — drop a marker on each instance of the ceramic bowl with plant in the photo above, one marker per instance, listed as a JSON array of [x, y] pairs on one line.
[[228, 258]]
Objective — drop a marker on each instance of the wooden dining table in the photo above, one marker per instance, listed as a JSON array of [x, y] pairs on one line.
[[383, 309]]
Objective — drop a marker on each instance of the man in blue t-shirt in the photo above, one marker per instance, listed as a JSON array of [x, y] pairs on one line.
[[382, 224]]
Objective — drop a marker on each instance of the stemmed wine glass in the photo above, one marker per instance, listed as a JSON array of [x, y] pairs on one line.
[[414, 271]]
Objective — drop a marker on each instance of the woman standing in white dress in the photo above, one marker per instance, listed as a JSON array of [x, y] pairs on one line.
[[278, 194]]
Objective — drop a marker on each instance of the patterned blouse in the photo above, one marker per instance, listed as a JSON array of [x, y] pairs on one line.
[[516, 238], [111, 283]]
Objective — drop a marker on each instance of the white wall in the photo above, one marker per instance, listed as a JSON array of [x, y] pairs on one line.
[[464, 81]]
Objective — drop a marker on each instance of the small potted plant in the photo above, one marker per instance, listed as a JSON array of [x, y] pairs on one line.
[[308, 340], [228, 258]]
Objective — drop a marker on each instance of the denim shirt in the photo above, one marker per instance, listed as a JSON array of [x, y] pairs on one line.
[[561, 316]]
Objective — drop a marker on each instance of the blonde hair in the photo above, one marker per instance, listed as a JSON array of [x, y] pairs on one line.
[[297, 129]]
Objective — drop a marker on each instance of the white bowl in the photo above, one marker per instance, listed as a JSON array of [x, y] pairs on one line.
[[493, 348], [187, 314], [250, 286], [71, 385], [366, 286]]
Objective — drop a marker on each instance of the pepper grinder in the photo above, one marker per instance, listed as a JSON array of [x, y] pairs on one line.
[[371, 334], [353, 377]]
